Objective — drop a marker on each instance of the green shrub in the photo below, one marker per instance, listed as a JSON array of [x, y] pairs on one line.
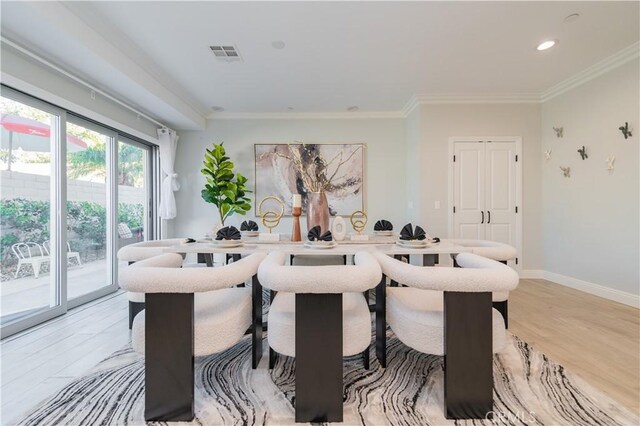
[[23, 220]]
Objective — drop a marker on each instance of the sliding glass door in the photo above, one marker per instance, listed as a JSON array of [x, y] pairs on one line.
[[72, 193], [91, 214], [30, 197], [135, 209]]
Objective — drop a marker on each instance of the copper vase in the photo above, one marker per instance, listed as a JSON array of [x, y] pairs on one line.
[[317, 211]]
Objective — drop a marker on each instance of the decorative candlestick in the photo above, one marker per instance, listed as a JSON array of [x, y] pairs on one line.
[[295, 234], [296, 211]]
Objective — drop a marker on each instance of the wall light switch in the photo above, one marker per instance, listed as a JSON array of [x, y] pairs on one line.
[[437, 205]]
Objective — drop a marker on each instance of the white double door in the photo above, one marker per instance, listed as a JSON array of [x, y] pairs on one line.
[[485, 191]]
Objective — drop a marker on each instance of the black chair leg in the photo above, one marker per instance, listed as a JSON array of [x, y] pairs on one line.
[[365, 358], [273, 355], [134, 309], [381, 322], [503, 308]]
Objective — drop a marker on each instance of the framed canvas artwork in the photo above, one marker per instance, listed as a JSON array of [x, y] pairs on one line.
[[286, 169]]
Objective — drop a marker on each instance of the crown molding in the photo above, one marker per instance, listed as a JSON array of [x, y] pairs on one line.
[[452, 98], [614, 61], [304, 115]]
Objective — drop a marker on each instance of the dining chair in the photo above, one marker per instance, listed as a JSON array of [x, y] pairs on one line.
[[319, 316], [447, 311], [499, 252], [189, 312], [141, 251]]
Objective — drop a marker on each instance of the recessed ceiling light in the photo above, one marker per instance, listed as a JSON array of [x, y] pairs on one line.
[[353, 108], [572, 17], [217, 108], [547, 44], [278, 44]]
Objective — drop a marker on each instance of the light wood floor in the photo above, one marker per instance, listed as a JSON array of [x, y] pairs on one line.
[[594, 338], [597, 339]]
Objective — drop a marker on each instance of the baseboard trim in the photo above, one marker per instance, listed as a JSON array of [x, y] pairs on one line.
[[532, 274], [623, 297]]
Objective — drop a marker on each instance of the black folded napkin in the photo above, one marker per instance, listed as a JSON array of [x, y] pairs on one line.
[[228, 233], [383, 225], [435, 240], [190, 240], [314, 234], [408, 233], [249, 225]]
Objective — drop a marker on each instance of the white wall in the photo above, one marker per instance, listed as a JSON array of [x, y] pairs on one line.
[[413, 134], [590, 220], [441, 122], [385, 180]]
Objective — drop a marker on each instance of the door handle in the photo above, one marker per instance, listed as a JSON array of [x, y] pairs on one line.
[[482, 221], [489, 216]]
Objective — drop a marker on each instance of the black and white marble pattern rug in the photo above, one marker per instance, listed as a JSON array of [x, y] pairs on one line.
[[529, 389]]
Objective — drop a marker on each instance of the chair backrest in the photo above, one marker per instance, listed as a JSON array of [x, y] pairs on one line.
[[163, 274], [489, 249], [124, 231], [364, 275], [27, 250], [476, 274], [146, 249], [46, 245]]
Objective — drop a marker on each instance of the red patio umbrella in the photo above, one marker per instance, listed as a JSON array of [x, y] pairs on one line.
[[27, 134]]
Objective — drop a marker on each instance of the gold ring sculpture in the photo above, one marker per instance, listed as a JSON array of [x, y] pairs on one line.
[[271, 218], [358, 221]]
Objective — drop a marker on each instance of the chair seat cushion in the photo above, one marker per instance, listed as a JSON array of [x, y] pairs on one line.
[[135, 297], [356, 324], [416, 317], [500, 296], [221, 319]]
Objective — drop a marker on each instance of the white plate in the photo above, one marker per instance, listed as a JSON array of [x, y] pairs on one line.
[[227, 243], [413, 243], [383, 233], [320, 244], [250, 233]]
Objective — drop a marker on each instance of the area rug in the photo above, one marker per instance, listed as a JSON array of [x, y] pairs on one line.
[[529, 389]]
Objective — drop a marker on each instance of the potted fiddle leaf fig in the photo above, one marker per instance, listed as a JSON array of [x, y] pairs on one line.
[[224, 188]]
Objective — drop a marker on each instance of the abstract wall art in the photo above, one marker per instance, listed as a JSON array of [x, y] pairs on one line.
[[338, 169]]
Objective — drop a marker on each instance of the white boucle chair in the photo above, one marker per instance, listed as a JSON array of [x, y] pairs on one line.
[[447, 311], [318, 316], [497, 251], [140, 251], [175, 326]]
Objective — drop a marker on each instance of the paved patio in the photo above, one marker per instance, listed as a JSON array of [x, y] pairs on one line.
[[30, 293]]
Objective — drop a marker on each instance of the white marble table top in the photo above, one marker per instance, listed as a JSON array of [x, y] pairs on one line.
[[298, 248]]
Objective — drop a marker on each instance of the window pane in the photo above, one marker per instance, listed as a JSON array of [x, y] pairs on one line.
[[26, 194], [86, 210], [132, 194]]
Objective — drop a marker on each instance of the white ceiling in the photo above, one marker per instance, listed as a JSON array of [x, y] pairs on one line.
[[375, 55]]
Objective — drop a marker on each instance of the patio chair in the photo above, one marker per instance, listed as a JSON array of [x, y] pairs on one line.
[[126, 236], [70, 254], [29, 253]]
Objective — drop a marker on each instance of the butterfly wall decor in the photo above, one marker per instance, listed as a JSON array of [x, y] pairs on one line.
[[547, 154], [559, 131], [566, 171], [626, 132], [611, 163], [583, 152]]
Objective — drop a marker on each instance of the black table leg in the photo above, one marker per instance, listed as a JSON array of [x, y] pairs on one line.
[[430, 259], [468, 359], [256, 328], [381, 322], [169, 374], [319, 357], [208, 259]]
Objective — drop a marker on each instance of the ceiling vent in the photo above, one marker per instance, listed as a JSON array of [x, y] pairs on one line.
[[226, 53]]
